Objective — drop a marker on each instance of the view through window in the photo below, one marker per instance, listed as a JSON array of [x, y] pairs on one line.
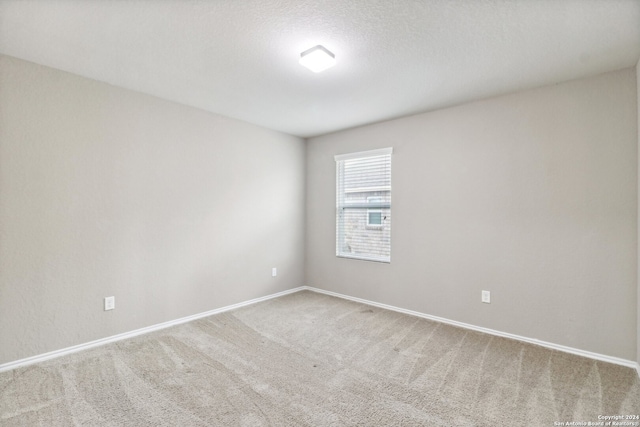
[[363, 205]]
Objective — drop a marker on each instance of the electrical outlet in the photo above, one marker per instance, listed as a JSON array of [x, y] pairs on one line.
[[486, 297], [274, 272], [109, 303]]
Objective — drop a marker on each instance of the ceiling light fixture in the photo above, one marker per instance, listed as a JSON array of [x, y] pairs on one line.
[[317, 59]]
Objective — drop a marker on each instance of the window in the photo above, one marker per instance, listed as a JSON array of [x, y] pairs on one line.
[[374, 216], [363, 205]]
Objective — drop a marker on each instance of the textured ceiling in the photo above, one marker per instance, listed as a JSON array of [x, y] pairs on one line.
[[239, 58]]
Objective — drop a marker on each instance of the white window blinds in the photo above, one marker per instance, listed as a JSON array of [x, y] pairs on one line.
[[363, 205]]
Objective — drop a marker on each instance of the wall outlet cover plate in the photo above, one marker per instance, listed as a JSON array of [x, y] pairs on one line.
[[486, 297]]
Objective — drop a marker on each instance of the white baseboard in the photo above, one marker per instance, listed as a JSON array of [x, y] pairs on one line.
[[576, 351], [159, 326], [63, 352]]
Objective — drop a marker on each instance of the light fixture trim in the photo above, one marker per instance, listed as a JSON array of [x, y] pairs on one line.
[[317, 58]]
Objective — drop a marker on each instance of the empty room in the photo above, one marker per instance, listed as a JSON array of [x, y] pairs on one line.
[[319, 213]]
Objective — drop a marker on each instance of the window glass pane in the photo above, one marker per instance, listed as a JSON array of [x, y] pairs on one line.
[[375, 218], [363, 204]]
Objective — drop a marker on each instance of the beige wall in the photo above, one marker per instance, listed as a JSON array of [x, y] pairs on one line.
[[105, 191], [532, 196], [176, 211], [638, 276]]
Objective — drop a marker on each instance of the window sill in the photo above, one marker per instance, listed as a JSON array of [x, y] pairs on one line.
[[385, 260], [374, 227]]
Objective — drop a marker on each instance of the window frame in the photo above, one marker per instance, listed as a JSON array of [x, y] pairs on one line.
[[342, 205]]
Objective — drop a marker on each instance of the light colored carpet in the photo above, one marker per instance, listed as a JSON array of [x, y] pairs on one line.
[[308, 359]]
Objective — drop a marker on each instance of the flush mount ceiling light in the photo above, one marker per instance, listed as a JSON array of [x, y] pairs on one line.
[[317, 59]]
